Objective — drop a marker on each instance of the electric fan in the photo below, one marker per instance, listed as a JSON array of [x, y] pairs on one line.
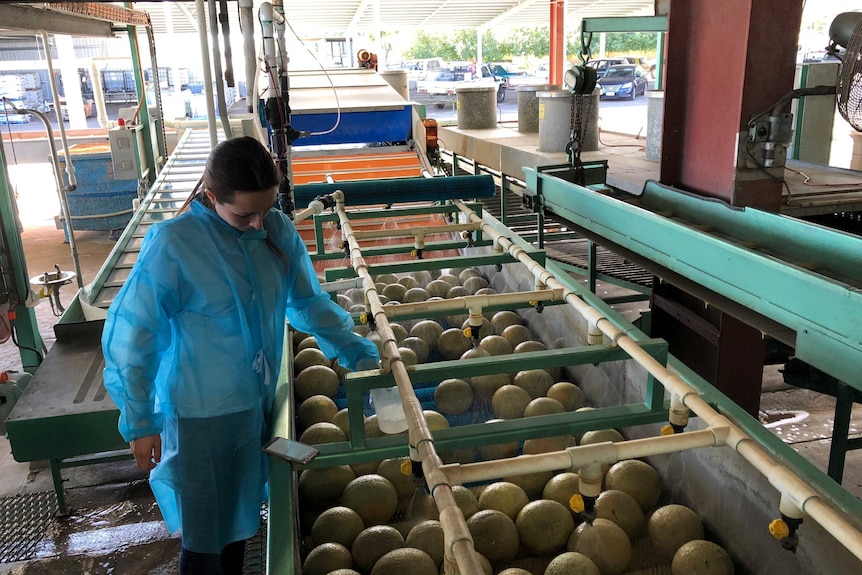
[[846, 30]]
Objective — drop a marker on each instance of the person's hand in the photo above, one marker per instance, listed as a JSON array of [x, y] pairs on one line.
[[366, 364], [147, 451]]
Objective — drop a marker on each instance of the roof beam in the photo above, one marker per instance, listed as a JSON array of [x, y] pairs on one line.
[[16, 16]]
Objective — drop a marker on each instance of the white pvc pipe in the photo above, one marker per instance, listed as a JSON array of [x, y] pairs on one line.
[[478, 302], [216, 52], [314, 207], [457, 539], [208, 79], [781, 477], [331, 287], [246, 17]]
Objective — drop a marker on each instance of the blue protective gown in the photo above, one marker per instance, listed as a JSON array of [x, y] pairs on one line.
[[192, 345]]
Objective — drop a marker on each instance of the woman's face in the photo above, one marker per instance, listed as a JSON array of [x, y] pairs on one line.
[[247, 210]]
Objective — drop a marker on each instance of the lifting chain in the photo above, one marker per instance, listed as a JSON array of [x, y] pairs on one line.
[[578, 126]]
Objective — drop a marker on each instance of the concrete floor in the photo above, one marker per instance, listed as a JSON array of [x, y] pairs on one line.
[[115, 526]]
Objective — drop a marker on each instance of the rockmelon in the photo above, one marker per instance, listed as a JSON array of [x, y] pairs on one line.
[[509, 401], [315, 380], [395, 291], [337, 525], [416, 295], [474, 284], [326, 558], [399, 332], [365, 467], [622, 509], [372, 544], [517, 334], [405, 560], [316, 409], [341, 419], [344, 572], [435, 420], [453, 396], [408, 356], [308, 357], [605, 543], [466, 500], [496, 345], [428, 331], [386, 278], [515, 571], [467, 273], [494, 535], [503, 319], [474, 352], [371, 427], [373, 497], [322, 488], [601, 436], [568, 394], [638, 479], [391, 470], [544, 526], [536, 382], [701, 557], [543, 406], [497, 450], [485, 386], [418, 346], [323, 432], [309, 341], [422, 277], [408, 282], [298, 336], [343, 301], [452, 343], [672, 526], [505, 497], [561, 487], [531, 483], [427, 536], [450, 279], [548, 444], [571, 563], [438, 288]]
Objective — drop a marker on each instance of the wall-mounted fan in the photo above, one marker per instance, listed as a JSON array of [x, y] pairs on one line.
[[846, 30]]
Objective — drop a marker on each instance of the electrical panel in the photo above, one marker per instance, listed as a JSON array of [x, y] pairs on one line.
[[125, 145]]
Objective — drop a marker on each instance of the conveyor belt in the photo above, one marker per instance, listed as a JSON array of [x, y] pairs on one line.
[[568, 248]]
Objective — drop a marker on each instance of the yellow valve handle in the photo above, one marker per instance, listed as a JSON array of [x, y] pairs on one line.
[[667, 430], [534, 303], [406, 467], [467, 332], [413, 253], [779, 529], [363, 317], [42, 293], [576, 503]]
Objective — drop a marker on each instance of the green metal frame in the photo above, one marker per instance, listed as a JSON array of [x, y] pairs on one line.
[[657, 24]]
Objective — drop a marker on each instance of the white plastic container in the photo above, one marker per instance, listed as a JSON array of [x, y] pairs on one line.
[[386, 401]]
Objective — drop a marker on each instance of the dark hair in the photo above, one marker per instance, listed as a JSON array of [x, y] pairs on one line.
[[239, 165]]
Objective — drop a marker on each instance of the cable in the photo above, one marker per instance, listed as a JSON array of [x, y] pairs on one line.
[[15, 338], [765, 171], [618, 145], [808, 181]]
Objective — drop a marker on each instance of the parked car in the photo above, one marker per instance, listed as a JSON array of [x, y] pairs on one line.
[[623, 82], [9, 113], [442, 89], [505, 71], [602, 64]]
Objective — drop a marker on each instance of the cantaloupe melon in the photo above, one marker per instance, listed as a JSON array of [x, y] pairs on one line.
[[571, 563], [428, 331], [622, 509], [298, 336], [372, 544], [415, 295], [372, 429], [474, 284], [638, 479], [316, 409], [326, 558], [365, 467], [568, 394], [509, 401], [503, 319], [408, 282], [496, 345], [517, 334], [322, 488], [438, 288], [307, 357], [494, 535], [408, 356], [337, 525], [344, 572], [435, 420], [474, 352], [466, 501], [543, 406], [373, 497], [601, 436], [343, 301], [701, 557], [531, 483], [405, 560], [468, 273], [395, 292], [672, 526], [452, 343], [544, 526], [427, 536], [418, 346], [514, 571], [505, 497], [307, 342], [485, 386], [315, 380], [341, 420], [453, 396], [386, 278], [536, 382], [561, 487], [391, 470], [451, 279], [422, 277], [323, 432], [605, 543], [548, 444], [498, 450], [399, 332]]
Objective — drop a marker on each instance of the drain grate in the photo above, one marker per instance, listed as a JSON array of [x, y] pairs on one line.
[[23, 522]]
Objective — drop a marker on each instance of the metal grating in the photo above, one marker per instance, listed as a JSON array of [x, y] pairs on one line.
[[24, 519]]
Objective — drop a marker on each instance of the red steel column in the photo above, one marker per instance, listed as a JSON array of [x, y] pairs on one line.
[[558, 41], [726, 62]]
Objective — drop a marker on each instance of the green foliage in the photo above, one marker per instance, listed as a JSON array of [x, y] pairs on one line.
[[523, 42]]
